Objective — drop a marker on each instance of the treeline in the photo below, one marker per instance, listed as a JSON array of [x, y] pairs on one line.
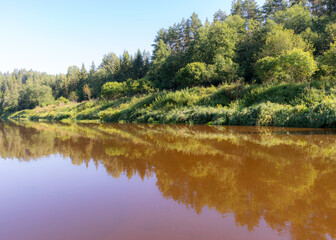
[[24, 89], [278, 42]]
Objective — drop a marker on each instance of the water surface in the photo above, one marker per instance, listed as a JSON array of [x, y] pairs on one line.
[[91, 181]]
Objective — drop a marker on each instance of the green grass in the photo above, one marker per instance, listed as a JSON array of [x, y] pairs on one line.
[[286, 104]]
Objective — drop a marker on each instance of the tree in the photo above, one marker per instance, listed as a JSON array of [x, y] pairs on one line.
[[156, 71], [323, 7], [194, 74], [293, 66], [281, 40], [87, 91], [73, 96], [73, 78], [111, 90], [247, 9], [125, 67], [31, 96], [216, 39], [83, 79], [328, 61], [138, 66], [237, 8], [298, 65], [92, 68], [220, 16], [111, 63], [297, 18], [273, 6]]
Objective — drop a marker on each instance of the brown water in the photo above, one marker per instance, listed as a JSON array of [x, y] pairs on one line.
[[166, 182]]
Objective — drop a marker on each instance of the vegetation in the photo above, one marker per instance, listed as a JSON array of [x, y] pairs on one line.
[[278, 104], [202, 73]]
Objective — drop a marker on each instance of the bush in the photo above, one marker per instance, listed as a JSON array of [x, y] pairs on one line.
[[267, 69], [298, 65], [138, 86], [73, 97], [293, 66], [225, 68], [32, 96], [328, 61], [112, 90], [195, 74], [62, 100]]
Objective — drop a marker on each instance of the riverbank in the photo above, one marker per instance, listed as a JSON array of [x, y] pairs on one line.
[[286, 105]]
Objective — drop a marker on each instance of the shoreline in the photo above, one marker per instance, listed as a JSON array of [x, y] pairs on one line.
[[278, 105]]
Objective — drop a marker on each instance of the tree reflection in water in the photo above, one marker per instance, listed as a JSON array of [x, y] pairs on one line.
[[284, 176]]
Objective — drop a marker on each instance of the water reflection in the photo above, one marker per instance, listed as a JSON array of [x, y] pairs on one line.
[[284, 176]]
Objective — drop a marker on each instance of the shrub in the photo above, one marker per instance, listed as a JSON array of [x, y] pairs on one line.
[[298, 65], [225, 68], [112, 90], [293, 66], [32, 96], [267, 69], [62, 100], [328, 61], [280, 41], [138, 86], [195, 74], [73, 97]]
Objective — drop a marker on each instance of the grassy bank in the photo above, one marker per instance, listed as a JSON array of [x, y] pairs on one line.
[[287, 104]]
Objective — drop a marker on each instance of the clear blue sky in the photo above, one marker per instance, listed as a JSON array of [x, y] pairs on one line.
[[50, 35]]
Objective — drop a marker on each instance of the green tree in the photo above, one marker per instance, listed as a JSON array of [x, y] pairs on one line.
[[328, 61], [297, 18], [220, 16], [111, 64], [125, 67], [293, 66], [281, 40], [73, 96], [216, 39], [195, 74], [31, 96], [138, 66], [247, 9], [111, 90], [272, 6], [87, 91], [73, 78], [83, 79]]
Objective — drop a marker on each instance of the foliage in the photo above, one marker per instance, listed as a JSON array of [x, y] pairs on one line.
[[73, 97], [87, 91], [31, 96], [112, 90], [284, 104], [328, 61], [293, 66], [297, 18], [281, 40], [195, 74]]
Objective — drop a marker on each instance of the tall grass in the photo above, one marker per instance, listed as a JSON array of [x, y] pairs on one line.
[[286, 104]]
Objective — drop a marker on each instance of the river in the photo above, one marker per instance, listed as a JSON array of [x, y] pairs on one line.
[[128, 181]]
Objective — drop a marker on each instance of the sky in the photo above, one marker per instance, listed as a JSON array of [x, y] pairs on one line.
[[51, 35]]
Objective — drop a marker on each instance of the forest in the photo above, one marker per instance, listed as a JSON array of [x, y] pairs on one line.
[[268, 65]]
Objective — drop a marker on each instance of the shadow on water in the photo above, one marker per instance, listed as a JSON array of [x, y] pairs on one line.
[[284, 176]]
